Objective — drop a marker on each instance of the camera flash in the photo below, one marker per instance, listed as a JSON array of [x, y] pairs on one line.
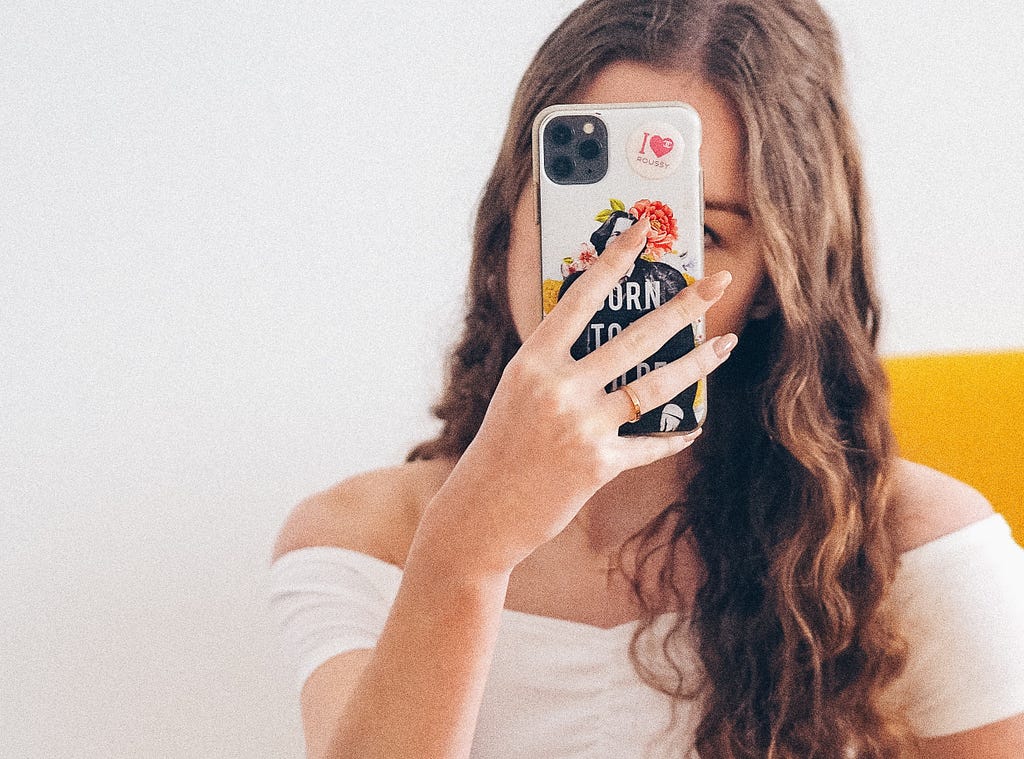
[[588, 128]]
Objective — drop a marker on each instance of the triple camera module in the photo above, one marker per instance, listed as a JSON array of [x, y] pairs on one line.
[[575, 149]]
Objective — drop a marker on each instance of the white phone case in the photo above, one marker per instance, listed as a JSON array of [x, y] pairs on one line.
[[653, 169]]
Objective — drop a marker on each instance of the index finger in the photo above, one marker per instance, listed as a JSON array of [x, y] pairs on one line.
[[573, 312]]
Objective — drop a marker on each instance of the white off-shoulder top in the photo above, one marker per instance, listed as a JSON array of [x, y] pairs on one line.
[[559, 688]]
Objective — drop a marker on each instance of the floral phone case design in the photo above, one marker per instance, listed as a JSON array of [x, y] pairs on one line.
[[599, 169]]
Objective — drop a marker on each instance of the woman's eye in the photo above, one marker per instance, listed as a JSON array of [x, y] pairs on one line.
[[710, 238]]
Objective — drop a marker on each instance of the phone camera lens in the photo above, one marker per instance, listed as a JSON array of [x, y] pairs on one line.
[[561, 134], [562, 167], [589, 150]]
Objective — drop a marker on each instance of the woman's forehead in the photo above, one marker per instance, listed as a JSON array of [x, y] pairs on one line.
[[721, 150]]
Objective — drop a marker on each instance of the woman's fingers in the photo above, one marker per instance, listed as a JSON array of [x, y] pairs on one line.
[[642, 450], [662, 385], [572, 313], [646, 335]]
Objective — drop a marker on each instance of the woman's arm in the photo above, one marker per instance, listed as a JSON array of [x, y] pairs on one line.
[[419, 693], [548, 441]]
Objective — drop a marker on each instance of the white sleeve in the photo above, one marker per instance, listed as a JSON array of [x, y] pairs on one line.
[[325, 601], [961, 600]]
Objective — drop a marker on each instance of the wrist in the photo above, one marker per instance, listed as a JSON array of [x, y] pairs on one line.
[[459, 539]]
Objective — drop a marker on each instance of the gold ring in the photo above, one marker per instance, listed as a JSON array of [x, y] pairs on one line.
[[637, 413]]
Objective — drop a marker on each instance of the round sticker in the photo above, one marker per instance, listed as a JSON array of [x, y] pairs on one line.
[[655, 150]]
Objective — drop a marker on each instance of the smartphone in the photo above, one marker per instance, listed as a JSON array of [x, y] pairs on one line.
[[597, 170]]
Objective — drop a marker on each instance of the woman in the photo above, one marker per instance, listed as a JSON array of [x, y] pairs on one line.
[[531, 584]]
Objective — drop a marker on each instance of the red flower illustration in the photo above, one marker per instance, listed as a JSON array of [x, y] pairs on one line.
[[664, 230], [583, 259]]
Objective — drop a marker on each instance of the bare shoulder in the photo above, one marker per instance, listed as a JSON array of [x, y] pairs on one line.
[[928, 504], [375, 512]]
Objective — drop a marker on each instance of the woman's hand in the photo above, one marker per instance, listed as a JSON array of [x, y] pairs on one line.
[[549, 439]]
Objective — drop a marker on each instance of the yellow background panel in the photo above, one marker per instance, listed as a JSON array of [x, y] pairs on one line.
[[963, 414]]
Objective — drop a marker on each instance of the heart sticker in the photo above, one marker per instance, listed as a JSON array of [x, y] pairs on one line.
[[661, 145], [655, 149]]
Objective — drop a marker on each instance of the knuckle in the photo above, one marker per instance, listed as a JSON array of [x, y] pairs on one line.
[[555, 397], [630, 339], [518, 368], [674, 318], [707, 360], [527, 370], [615, 245], [562, 397], [605, 463], [604, 270], [688, 304]]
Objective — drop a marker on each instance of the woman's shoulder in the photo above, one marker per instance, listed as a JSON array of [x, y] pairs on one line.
[[375, 512], [927, 504]]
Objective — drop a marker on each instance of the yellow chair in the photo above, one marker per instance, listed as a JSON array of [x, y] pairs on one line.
[[964, 415]]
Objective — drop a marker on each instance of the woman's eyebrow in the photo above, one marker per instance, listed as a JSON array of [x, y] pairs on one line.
[[720, 205]]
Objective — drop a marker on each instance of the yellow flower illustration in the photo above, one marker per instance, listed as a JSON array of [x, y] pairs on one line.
[[551, 288]]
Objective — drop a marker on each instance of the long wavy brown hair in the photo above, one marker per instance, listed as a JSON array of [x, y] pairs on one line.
[[787, 510]]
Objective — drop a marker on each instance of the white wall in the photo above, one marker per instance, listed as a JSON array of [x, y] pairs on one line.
[[194, 199]]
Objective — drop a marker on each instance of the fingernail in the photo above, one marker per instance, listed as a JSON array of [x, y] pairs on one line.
[[724, 345], [693, 434], [710, 288]]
